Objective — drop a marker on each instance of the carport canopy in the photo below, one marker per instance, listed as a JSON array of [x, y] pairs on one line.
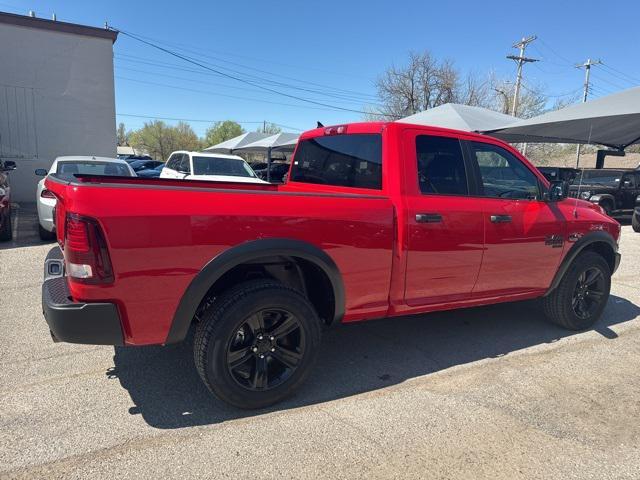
[[460, 117], [612, 121], [281, 142], [228, 146]]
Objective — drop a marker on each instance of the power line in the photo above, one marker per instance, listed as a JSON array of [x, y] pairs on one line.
[[206, 92], [621, 75], [233, 77], [199, 120]]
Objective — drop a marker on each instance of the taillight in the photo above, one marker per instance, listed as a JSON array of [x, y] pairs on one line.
[[337, 130], [47, 194], [85, 251]]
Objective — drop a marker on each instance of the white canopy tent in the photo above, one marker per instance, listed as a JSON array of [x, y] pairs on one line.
[[280, 142], [460, 117], [228, 146]]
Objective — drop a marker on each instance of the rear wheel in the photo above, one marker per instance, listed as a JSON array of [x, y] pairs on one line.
[[635, 221], [45, 235], [578, 301], [6, 232], [256, 344]]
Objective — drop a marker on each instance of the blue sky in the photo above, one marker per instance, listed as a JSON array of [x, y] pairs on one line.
[[338, 48]]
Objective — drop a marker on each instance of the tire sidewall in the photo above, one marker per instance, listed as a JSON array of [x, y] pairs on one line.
[[219, 377], [581, 263]]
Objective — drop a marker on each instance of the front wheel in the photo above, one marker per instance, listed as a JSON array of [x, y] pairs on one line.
[[579, 300], [45, 235], [635, 221], [256, 344]]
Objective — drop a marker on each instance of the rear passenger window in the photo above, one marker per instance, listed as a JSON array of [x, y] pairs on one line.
[[441, 167], [344, 160]]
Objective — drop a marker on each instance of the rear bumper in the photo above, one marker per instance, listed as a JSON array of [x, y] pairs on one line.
[[76, 322]]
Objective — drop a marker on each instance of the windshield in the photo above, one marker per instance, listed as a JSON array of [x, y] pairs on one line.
[[600, 177], [69, 169], [222, 166]]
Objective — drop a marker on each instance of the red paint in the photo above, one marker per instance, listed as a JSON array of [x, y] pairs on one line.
[[160, 234]]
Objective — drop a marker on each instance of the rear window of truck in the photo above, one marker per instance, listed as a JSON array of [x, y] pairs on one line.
[[343, 160]]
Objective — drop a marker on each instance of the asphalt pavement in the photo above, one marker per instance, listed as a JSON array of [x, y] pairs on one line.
[[493, 392]]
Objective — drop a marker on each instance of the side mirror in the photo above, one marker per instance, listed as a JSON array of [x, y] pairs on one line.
[[8, 165], [41, 172], [626, 183], [558, 190]]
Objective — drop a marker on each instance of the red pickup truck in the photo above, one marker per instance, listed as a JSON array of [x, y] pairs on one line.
[[376, 220]]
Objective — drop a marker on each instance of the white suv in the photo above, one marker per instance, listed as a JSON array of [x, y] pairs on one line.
[[208, 166]]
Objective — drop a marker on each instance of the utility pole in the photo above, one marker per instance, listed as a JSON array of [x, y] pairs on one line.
[[587, 72], [520, 60]]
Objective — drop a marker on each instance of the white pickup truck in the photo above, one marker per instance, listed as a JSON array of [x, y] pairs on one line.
[[208, 166]]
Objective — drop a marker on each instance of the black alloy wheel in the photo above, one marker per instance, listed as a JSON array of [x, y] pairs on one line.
[[589, 292], [266, 350]]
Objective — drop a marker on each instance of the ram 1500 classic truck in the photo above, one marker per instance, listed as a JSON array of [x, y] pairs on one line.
[[376, 220]]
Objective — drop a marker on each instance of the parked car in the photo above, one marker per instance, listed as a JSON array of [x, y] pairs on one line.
[[151, 172], [133, 158], [139, 165], [208, 166], [278, 173], [635, 218], [614, 190], [377, 220], [66, 168], [559, 173], [6, 232]]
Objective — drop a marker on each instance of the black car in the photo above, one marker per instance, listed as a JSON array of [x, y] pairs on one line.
[[151, 172], [559, 173], [615, 190], [139, 165], [133, 158], [635, 218], [278, 172]]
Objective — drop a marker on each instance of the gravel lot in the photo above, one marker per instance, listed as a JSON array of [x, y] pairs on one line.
[[491, 392]]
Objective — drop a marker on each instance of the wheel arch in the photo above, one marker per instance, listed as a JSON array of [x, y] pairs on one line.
[[245, 253], [599, 242]]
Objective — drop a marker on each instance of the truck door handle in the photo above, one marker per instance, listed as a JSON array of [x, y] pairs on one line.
[[500, 218], [428, 218]]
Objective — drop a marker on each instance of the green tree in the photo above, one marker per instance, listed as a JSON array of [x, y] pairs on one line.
[[221, 131], [270, 128], [159, 139]]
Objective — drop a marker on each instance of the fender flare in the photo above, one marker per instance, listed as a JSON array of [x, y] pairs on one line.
[[244, 253], [584, 241]]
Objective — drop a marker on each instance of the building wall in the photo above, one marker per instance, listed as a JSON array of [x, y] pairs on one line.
[[56, 98]]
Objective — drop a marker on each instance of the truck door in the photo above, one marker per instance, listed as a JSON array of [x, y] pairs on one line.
[[444, 222], [627, 192], [524, 235]]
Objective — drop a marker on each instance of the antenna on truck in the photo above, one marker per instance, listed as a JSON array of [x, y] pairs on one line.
[[575, 207]]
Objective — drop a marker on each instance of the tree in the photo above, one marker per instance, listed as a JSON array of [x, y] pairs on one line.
[[423, 83], [270, 128], [159, 139], [221, 131], [122, 135]]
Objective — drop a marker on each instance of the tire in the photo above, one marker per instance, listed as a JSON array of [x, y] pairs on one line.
[[250, 320], [562, 306], [6, 231], [635, 222], [607, 206], [45, 235]]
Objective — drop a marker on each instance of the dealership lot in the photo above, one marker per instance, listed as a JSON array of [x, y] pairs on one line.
[[491, 392]]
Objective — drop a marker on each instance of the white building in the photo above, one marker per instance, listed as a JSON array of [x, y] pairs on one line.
[[56, 95]]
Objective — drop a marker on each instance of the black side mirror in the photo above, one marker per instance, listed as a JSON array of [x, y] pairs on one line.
[[41, 172], [8, 165], [558, 190]]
